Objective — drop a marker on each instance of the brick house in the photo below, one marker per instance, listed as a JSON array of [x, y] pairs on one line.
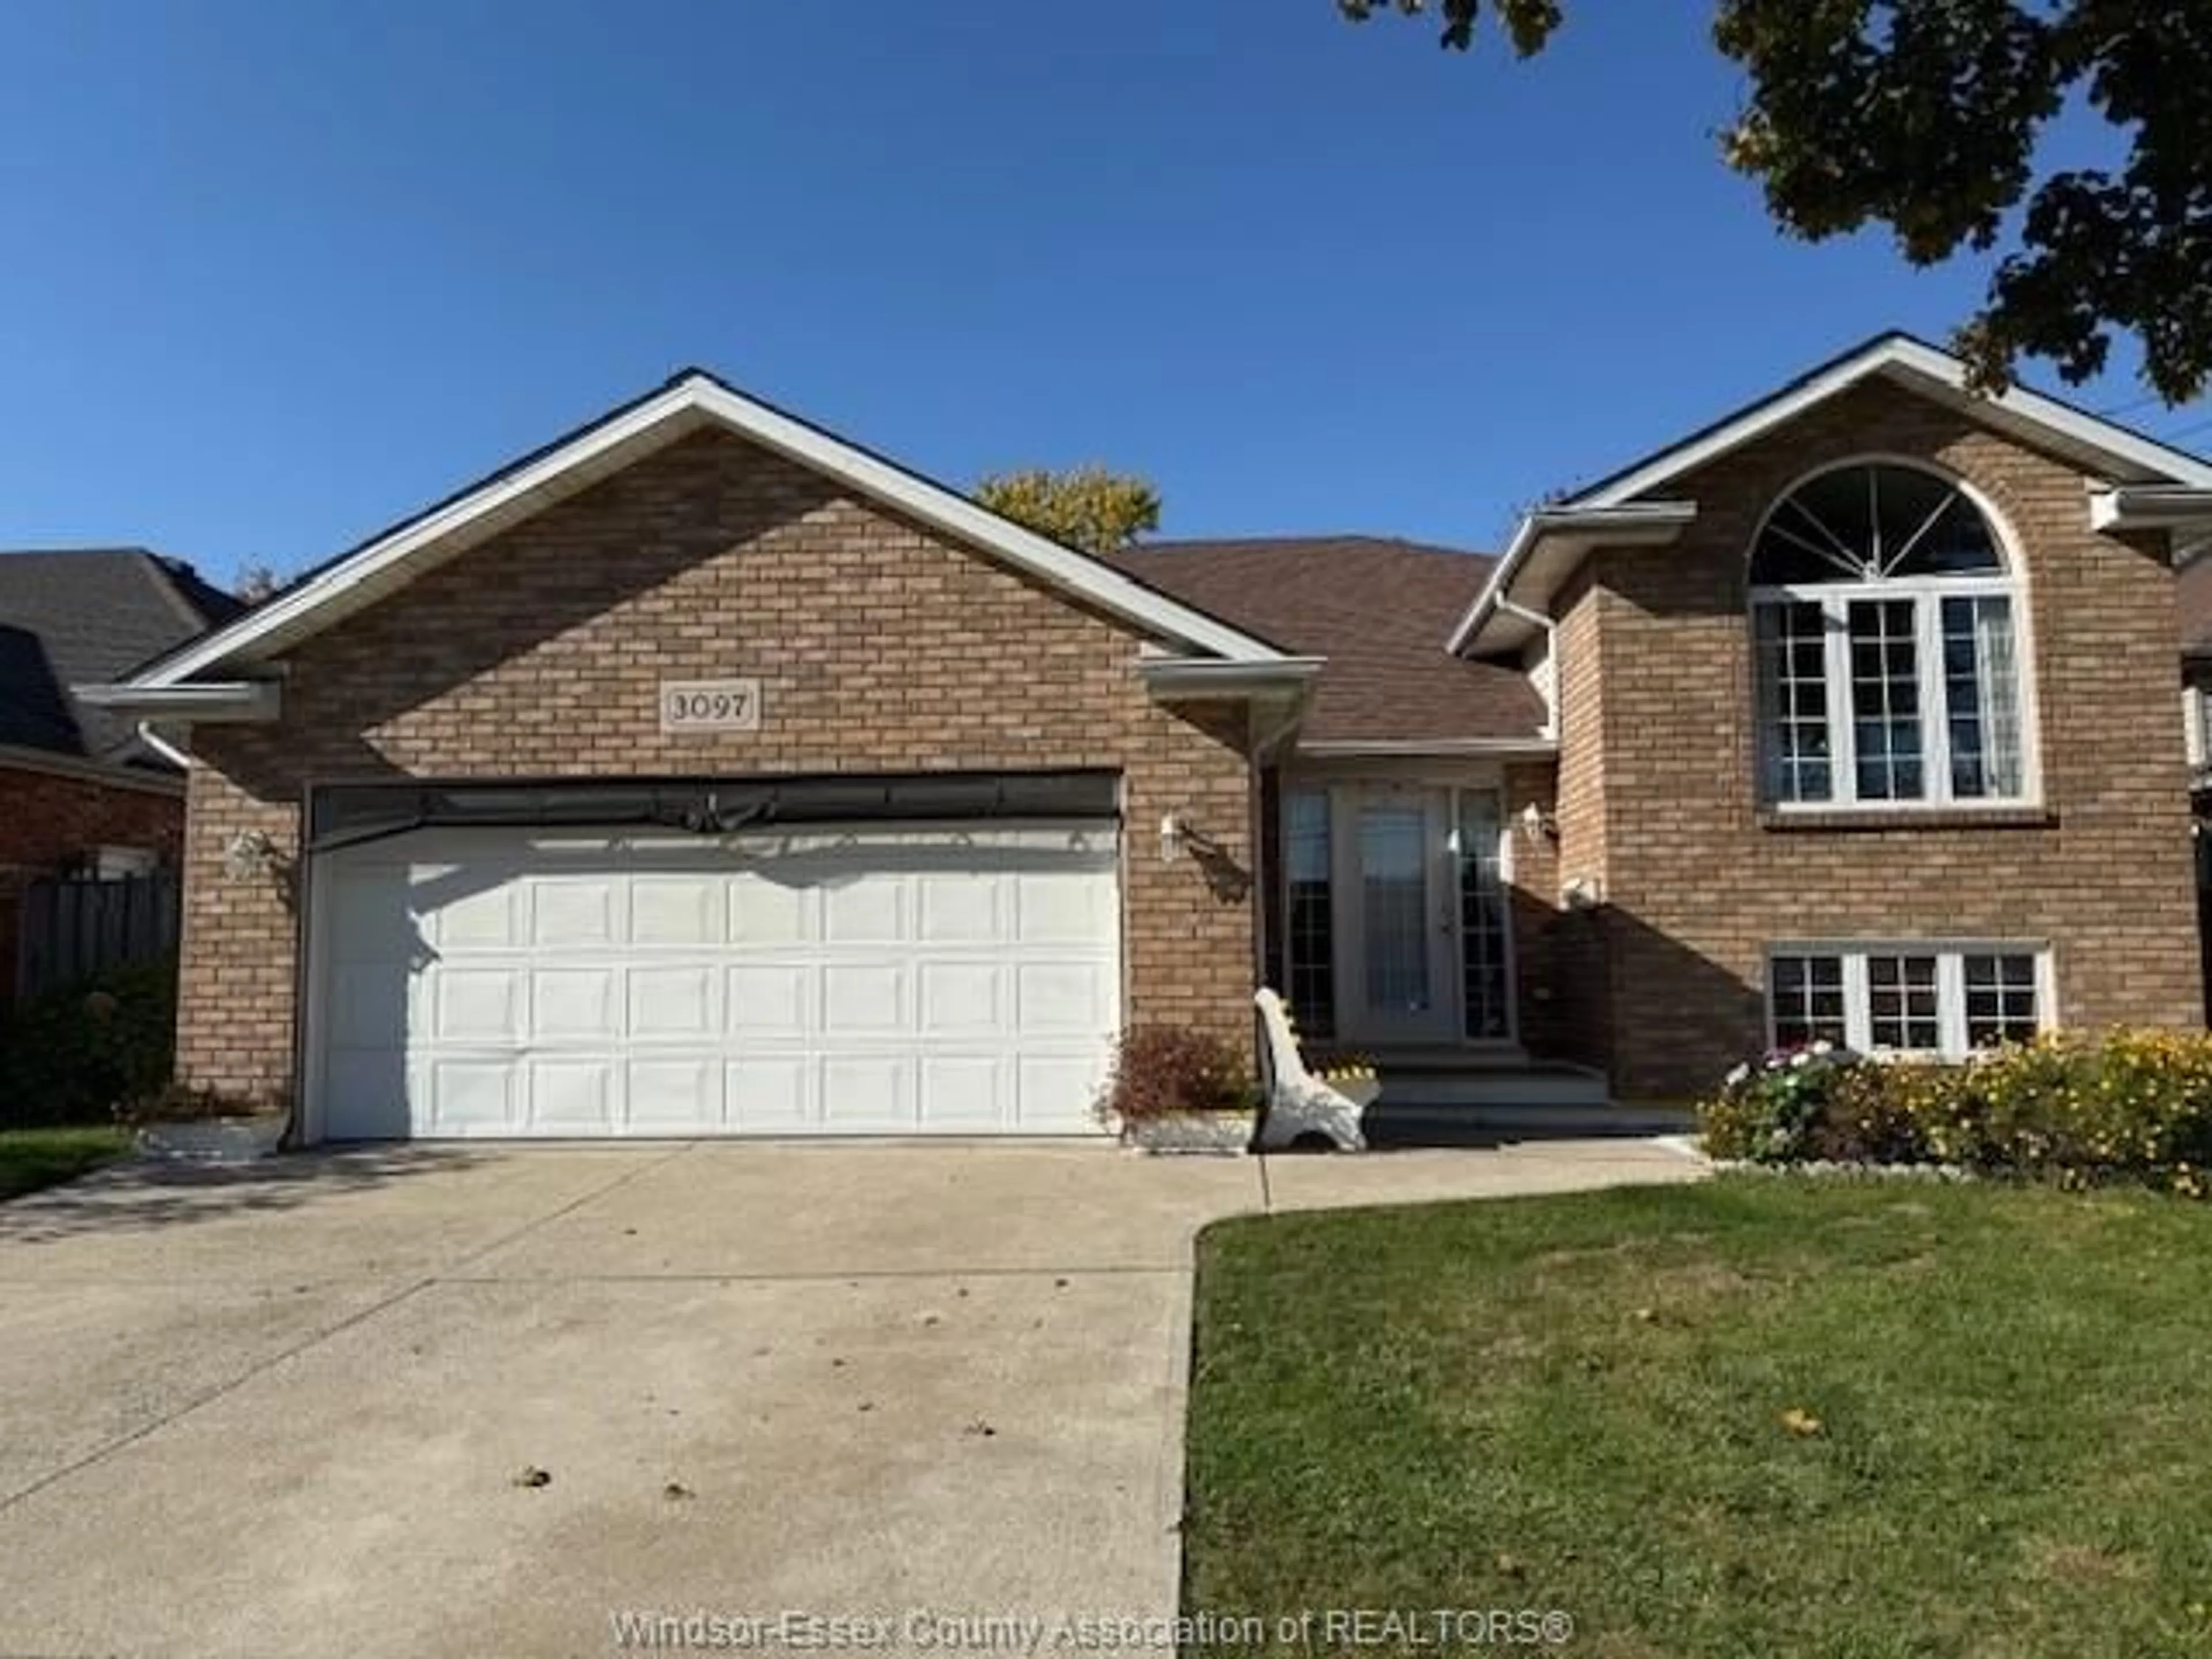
[[83, 791], [704, 773]]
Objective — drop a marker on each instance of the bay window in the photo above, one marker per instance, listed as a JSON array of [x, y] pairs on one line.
[[1885, 632]]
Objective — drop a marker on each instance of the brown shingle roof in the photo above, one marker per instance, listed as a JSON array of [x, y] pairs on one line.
[[1378, 609]]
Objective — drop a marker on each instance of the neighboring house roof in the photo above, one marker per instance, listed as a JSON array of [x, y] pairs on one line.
[[1563, 530], [73, 617], [694, 400], [1377, 610]]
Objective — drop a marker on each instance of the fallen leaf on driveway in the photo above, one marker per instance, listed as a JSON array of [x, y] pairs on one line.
[[531, 1475]]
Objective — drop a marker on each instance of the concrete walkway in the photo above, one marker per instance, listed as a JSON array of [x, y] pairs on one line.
[[292, 1408]]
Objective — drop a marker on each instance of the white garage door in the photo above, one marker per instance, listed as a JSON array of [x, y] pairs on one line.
[[885, 980]]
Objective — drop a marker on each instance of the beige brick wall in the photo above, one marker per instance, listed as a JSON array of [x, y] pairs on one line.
[[1699, 883], [879, 645]]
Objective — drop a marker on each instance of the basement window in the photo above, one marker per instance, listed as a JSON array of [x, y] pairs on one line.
[[1945, 999]]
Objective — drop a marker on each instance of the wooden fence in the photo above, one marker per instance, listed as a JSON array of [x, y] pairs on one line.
[[67, 931]]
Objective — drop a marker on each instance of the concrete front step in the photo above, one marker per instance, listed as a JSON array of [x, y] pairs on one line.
[[1531, 1084], [1478, 1124]]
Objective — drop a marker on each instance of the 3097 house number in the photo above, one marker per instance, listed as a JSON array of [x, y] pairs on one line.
[[710, 705]]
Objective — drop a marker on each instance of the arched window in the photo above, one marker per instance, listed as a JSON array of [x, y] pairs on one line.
[[1885, 631]]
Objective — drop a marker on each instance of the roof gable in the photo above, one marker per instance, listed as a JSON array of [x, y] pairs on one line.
[[692, 401], [2126, 456], [1630, 506]]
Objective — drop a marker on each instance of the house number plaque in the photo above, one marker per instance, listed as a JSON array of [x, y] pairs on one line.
[[710, 705]]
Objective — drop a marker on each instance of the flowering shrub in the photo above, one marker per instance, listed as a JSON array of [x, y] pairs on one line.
[[2075, 1107], [1768, 1112], [1163, 1069]]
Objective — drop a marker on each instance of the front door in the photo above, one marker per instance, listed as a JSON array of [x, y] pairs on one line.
[[1403, 976]]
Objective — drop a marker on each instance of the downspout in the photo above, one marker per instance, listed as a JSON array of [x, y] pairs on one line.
[[161, 746], [1551, 628]]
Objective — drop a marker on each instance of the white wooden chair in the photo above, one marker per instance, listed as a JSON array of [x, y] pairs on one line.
[[1300, 1104]]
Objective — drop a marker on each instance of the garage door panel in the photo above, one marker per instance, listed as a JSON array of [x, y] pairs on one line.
[[959, 907], [1060, 907], [576, 1005], [680, 1001], [766, 911], [867, 982], [677, 1095], [863, 999], [369, 1004], [963, 1092], [867, 1094], [960, 999], [572, 1097], [369, 919], [367, 1092], [678, 910], [574, 911], [863, 912], [472, 1095], [771, 1002], [478, 1004], [1062, 998], [473, 919], [1056, 1091], [770, 1094]]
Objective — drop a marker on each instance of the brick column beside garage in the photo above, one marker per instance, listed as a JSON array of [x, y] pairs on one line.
[[880, 646]]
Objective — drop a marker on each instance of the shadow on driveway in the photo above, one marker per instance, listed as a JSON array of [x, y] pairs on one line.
[[140, 1194]]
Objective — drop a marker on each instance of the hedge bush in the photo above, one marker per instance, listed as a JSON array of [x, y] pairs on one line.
[[75, 1055], [2122, 1105]]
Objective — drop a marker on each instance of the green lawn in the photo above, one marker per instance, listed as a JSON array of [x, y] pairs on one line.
[[32, 1158], [2003, 1445]]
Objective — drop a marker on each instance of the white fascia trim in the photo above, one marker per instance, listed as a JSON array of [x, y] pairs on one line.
[[1199, 677], [1436, 748], [290, 615], [1914, 357], [1636, 523], [17, 758], [213, 701], [2150, 507]]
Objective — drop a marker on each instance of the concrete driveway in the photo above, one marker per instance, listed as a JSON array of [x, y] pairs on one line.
[[291, 1409]]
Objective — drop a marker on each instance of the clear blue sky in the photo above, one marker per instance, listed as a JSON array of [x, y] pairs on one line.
[[277, 273]]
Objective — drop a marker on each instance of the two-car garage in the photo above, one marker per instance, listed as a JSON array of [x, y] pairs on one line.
[[713, 961]]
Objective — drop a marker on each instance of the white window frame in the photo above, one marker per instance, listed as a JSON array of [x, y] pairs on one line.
[[1950, 986], [1927, 594]]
